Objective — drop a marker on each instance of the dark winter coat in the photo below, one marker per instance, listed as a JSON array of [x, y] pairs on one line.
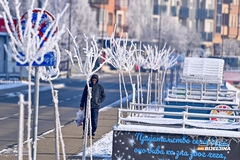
[[98, 94]]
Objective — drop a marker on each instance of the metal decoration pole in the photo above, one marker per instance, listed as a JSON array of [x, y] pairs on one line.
[[56, 125], [21, 127], [160, 81], [35, 118], [36, 108]]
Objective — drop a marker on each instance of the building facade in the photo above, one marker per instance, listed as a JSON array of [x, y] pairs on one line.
[[215, 20], [227, 23], [110, 16]]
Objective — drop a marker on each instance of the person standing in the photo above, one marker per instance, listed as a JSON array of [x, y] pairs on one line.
[[98, 96]]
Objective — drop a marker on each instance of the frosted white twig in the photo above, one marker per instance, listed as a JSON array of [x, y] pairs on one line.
[[122, 57]]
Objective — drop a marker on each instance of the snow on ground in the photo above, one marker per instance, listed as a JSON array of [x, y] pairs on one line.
[[101, 148], [12, 84]]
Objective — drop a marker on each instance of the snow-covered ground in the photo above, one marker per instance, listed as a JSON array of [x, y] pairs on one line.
[[12, 84]]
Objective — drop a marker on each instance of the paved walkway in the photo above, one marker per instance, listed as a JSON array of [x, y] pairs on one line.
[[72, 139], [71, 135]]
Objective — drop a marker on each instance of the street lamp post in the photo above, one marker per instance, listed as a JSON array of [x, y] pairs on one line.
[[36, 107], [103, 19], [69, 25], [160, 23], [223, 24]]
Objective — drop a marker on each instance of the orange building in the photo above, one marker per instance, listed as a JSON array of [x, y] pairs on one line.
[[110, 16], [227, 23]]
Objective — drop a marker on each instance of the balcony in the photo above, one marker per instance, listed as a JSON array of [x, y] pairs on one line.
[[227, 1], [98, 2], [121, 4], [205, 14], [173, 10], [184, 12], [158, 8]]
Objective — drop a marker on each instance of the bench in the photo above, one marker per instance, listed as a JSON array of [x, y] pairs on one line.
[[203, 70]]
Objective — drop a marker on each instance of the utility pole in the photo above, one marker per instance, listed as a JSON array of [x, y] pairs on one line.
[[223, 24], [69, 37], [160, 23], [103, 7], [160, 80], [36, 108], [102, 44]]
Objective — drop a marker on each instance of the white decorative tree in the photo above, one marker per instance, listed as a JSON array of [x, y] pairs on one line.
[[122, 57], [156, 59], [87, 68]]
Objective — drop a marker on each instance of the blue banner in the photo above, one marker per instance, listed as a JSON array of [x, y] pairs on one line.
[[162, 146]]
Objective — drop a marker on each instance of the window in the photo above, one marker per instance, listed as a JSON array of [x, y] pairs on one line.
[[219, 17], [110, 19], [119, 20], [233, 21], [219, 1], [219, 8], [102, 15], [210, 4], [218, 29]]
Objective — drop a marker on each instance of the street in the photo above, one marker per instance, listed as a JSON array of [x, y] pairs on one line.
[[69, 99]]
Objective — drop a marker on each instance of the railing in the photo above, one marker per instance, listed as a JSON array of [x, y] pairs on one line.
[[222, 95], [143, 114]]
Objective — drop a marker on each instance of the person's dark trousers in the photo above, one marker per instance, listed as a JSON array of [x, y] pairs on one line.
[[94, 119]]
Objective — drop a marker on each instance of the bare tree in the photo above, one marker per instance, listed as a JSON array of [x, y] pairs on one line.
[[173, 33], [230, 47], [193, 40], [81, 20], [139, 20]]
